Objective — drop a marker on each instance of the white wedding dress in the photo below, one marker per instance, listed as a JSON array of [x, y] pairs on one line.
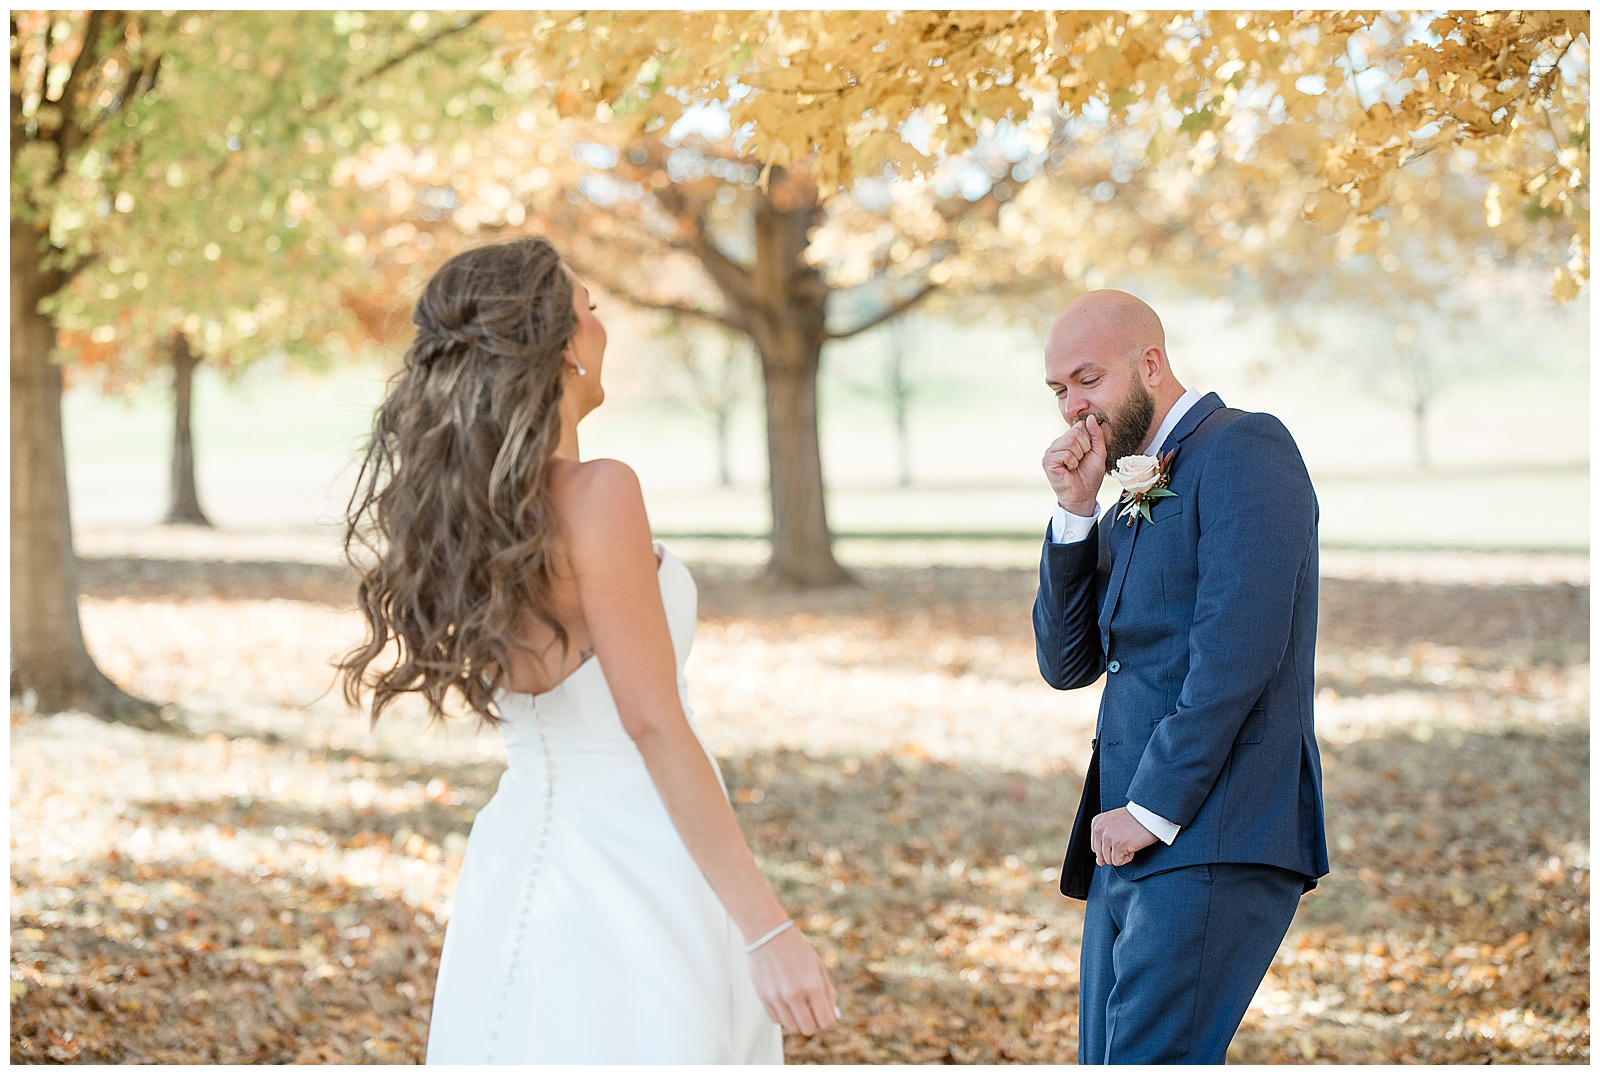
[[582, 930]]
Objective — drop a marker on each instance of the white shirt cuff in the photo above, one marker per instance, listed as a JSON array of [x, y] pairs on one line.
[[1069, 529], [1160, 827]]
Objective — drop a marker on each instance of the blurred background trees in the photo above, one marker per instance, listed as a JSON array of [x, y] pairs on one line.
[[1316, 116], [900, 389], [679, 222], [147, 202], [710, 370], [795, 179]]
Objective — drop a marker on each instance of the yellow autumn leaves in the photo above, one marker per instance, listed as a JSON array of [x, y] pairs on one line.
[[1348, 98]]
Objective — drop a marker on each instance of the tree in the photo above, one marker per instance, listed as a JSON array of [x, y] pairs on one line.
[[1420, 383], [183, 507], [1146, 108], [713, 367], [1375, 91], [60, 99], [125, 161], [900, 391], [766, 260], [97, 356], [1407, 364], [753, 246], [1404, 312], [1408, 347], [892, 383], [1316, 115]]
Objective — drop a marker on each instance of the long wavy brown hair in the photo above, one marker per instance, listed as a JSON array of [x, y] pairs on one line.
[[451, 525]]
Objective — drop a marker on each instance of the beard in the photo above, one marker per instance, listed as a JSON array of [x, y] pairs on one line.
[[1129, 423]]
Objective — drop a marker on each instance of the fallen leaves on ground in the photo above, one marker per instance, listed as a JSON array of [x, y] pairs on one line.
[[273, 887]]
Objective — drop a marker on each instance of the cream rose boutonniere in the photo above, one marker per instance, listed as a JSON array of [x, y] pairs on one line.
[[1144, 480]]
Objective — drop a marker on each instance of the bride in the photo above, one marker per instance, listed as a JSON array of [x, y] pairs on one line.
[[608, 909]]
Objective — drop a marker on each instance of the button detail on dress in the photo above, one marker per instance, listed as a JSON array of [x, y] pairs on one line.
[[1115, 666]]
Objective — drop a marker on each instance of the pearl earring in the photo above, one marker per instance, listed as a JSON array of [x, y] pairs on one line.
[[579, 367]]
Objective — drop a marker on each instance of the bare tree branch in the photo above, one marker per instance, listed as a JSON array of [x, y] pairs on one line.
[[19, 122], [640, 228], [396, 60], [139, 80], [731, 277], [70, 134], [633, 298], [88, 55], [416, 49], [1535, 78], [676, 307], [1549, 122], [887, 313]]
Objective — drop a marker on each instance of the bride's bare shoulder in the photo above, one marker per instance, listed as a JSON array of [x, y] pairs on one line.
[[596, 492]]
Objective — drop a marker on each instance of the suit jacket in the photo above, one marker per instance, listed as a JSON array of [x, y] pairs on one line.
[[1204, 621]]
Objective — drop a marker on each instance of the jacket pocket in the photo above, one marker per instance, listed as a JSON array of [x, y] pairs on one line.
[[1145, 865], [1165, 507], [1254, 728]]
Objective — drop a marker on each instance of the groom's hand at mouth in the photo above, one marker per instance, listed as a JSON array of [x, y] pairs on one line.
[[1075, 463], [1115, 837]]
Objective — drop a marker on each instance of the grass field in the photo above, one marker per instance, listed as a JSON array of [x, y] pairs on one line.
[[277, 448]]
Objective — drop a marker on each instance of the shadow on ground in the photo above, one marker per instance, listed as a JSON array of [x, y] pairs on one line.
[[929, 887], [1453, 928], [1354, 612]]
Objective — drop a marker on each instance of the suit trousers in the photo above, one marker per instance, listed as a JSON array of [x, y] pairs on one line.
[[1171, 961]]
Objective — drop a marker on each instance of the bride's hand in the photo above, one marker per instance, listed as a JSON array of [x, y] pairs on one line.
[[793, 984]]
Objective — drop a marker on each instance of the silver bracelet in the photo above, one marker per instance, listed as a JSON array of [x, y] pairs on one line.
[[758, 942]]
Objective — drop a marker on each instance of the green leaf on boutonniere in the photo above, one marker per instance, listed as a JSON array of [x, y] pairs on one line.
[[1144, 500]]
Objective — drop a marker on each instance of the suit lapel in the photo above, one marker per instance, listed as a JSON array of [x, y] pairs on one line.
[[1124, 536], [1192, 419]]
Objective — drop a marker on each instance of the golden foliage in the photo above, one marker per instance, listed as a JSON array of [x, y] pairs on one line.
[[165, 205], [1347, 99]]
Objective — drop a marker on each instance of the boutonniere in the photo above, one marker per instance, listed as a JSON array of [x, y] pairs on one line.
[[1144, 480]]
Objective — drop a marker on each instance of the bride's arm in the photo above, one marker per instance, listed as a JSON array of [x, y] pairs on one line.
[[608, 540]]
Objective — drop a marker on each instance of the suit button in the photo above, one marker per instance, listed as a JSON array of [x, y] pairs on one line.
[[1115, 666]]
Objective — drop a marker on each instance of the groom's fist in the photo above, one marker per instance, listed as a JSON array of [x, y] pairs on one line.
[[1115, 837], [1075, 463]]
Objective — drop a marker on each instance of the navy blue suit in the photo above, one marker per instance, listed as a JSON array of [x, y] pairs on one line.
[[1204, 622]]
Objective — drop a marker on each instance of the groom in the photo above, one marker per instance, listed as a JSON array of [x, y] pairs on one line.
[[1201, 820]]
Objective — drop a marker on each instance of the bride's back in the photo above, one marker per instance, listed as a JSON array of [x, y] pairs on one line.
[[538, 661]]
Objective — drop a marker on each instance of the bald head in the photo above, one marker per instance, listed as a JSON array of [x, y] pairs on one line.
[[1110, 325]]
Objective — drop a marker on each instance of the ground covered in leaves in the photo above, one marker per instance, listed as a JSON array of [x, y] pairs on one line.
[[272, 884]]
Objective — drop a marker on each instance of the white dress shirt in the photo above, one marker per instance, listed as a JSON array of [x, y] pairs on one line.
[[1067, 529]]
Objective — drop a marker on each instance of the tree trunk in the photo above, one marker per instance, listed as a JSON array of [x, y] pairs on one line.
[[902, 430], [48, 656], [802, 544], [900, 399], [782, 303], [792, 329], [1419, 432], [724, 448], [184, 506]]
